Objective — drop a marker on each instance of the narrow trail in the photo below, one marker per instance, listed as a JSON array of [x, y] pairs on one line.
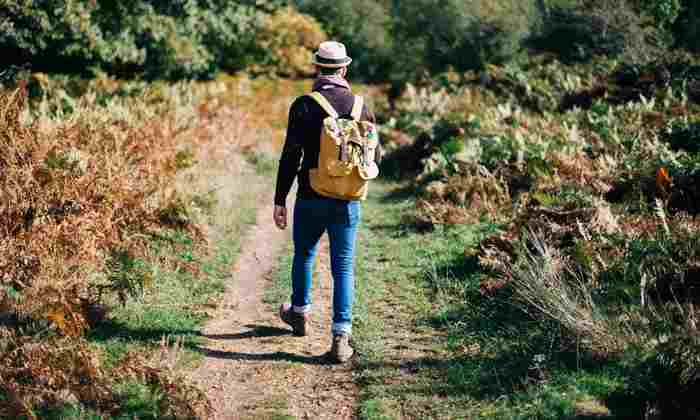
[[254, 368]]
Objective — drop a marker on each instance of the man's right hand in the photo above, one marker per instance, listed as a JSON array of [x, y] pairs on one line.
[[280, 216]]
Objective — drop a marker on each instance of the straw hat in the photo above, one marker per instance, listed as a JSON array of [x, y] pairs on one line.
[[331, 54]]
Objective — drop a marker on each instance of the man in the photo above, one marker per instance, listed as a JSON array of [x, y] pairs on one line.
[[315, 214]]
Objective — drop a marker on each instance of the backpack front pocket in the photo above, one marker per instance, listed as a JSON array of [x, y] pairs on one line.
[[337, 168]]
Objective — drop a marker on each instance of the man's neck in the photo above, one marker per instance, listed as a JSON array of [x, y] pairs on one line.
[[329, 81]]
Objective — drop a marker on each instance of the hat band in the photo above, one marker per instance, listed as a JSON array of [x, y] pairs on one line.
[[323, 60]]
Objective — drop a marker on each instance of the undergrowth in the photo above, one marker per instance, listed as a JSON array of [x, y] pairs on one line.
[[120, 222], [589, 171]]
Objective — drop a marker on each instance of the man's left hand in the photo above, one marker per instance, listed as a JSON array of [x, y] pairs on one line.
[[280, 217]]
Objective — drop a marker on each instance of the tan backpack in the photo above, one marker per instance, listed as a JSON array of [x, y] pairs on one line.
[[346, 158]]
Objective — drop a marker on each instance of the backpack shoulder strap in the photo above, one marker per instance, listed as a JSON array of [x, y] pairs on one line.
[[321, 100], [357, 108]]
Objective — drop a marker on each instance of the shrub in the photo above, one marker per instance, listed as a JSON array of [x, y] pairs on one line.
[[685, 137], [57, 34], [473, 34], [663, 12], [229, 33], [46, 377], [290, 38], [687, 26], [79, 190], [162, 40], [678, 374], [544, 282], [577, 34], [364, 26]]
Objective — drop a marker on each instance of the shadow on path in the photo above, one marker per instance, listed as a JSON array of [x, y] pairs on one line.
[[274, 356], [256, 331]]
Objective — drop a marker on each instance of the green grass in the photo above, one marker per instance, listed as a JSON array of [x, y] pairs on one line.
[[70, 412], [281, 288], [139, 401], [173, 307], [265, 163], [432, 346]]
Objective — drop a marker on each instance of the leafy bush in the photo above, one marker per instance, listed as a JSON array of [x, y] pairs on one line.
[[663, 12], [163, 40], [364, 26], [67, 189], [473, 34], [577, 34], [685, 137], [687, 26], [289, 38]]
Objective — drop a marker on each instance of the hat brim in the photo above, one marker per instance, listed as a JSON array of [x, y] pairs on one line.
[[330, 63]]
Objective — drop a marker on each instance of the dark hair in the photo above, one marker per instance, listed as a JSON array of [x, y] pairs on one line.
[[329, 71]]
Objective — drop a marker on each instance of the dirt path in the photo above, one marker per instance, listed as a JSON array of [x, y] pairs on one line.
[[254, 368]]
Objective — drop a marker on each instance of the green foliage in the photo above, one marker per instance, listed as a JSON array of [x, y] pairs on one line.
[[664, 12], [389, 40], [265, 163], [70, 412], [161, 40], [401, 40], [452, 146], [685, 136], [577, 34], [363, 26], [687, 26], [128, 276], [184, 159], [139, 401], [486, 359], [168, 306], [473, 34], [288, 39]]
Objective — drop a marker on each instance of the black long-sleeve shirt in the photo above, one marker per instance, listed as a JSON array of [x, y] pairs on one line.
[[303, 139]]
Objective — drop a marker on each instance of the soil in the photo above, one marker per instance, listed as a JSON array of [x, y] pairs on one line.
[[254, 368]]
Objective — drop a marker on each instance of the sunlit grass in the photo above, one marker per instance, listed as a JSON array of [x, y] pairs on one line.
[[432, 346]]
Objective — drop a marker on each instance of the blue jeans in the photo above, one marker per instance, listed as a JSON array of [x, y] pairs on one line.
[[340, 219]]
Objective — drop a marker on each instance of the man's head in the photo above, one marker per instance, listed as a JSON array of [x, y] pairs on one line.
[[332, 59]]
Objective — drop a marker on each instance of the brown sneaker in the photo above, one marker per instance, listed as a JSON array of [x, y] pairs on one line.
[[300, 323], [341, 351]]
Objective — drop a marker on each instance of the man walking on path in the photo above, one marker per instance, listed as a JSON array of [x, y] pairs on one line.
[[315, 214]]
